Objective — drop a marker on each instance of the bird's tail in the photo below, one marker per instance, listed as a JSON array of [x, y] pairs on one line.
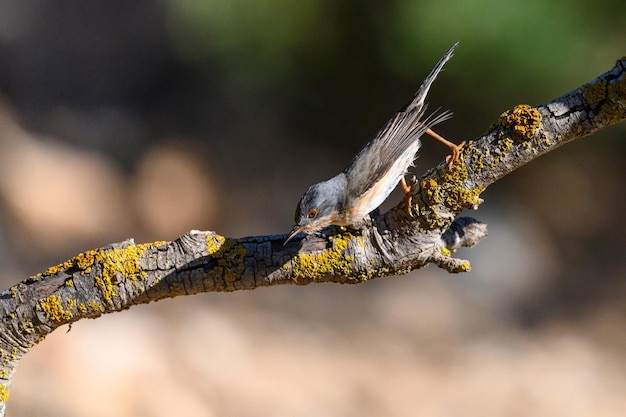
[[420, 96]]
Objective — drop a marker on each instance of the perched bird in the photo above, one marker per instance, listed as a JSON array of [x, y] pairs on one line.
[[348, 197]]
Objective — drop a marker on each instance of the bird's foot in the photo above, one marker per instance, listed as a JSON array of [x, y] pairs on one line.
[[408, 193], [455, 150]]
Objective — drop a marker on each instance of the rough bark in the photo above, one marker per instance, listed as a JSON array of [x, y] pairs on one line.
[[121, 275]]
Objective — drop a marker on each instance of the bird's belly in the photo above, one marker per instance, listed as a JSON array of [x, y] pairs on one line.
[[376, 195]]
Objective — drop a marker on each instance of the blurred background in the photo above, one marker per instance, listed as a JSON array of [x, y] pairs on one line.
[[146, 119]]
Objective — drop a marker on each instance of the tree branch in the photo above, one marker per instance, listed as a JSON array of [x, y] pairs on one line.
[[121, 275]]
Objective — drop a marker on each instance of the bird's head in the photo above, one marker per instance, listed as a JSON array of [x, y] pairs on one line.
[[319, 206]]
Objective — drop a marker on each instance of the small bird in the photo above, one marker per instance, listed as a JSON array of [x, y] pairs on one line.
[[351, 195]]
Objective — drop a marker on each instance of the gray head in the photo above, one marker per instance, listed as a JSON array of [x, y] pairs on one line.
[[320, 205]]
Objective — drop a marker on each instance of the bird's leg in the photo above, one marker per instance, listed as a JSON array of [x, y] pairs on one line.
[[455, 150], [408, 193]]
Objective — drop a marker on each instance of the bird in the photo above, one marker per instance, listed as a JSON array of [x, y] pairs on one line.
[[348, 197]]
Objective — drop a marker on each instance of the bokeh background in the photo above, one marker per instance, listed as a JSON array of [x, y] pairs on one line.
[[146, 119]]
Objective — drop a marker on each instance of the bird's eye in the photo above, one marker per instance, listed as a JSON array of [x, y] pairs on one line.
[[312, 213]]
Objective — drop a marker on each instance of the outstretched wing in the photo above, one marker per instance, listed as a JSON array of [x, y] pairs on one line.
[[375, 160]]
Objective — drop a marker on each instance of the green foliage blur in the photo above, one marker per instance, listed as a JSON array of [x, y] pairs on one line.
[[338, 52]]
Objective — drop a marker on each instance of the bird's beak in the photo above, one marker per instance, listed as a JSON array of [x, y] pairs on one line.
[[296, 229]]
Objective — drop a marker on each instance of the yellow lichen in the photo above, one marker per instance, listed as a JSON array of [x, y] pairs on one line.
[[112, 265], [617, 90], [26, 326], [463, 267], [477, 160], [94, 306], [458, 196], [430, 190], [595, 93], [524, 120], [81, 261], [125, 261], [445, 251], [232, 260], [506, 144], [4, 374], [4, 393], [230, 255], [214, 242], [54, 269], [450, 190], [328, 261], [113, 261], [120, 263], [615, 111], [54, 310], [86, 259], [106, 287], [217, 272]]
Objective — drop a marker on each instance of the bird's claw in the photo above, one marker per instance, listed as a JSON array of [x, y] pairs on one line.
[[455, 153]]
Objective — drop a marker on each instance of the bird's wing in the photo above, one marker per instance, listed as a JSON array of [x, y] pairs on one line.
[[376, 158]]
